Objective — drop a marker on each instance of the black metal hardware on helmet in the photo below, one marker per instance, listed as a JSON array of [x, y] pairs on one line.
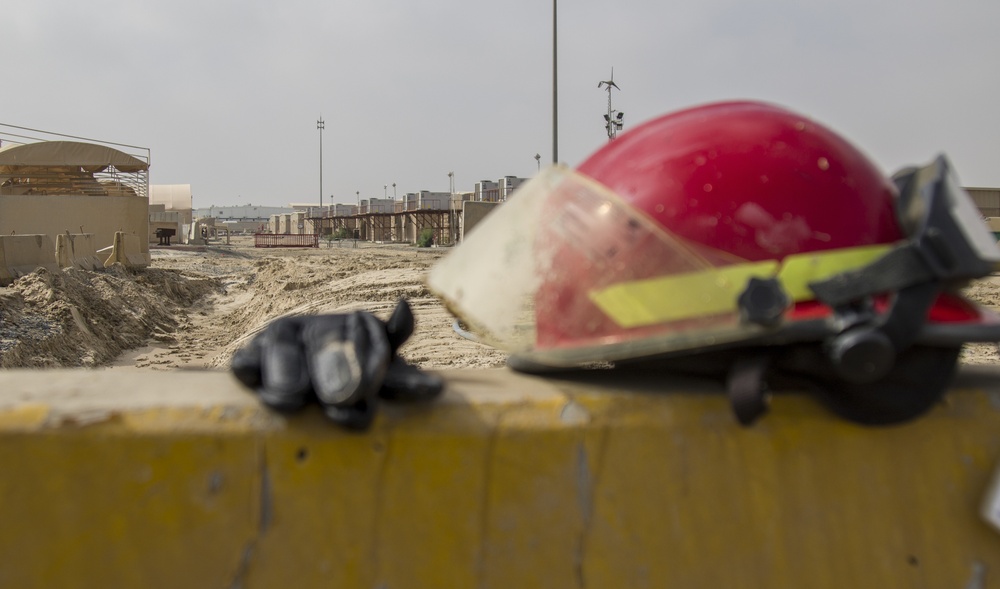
[[871, 367]]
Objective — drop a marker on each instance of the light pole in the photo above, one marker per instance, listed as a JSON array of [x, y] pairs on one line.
[[385, 191], [393, 191], [320, 125], [538, 161], [555, 91], [451, 207], [357, 220]]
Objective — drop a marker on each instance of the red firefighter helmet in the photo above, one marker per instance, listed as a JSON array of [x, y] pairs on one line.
[[744, 238]]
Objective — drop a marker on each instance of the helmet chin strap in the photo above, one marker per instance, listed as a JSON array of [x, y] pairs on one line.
[[747, 387]]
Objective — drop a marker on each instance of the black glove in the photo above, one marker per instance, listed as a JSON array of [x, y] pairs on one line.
[[346, 362]]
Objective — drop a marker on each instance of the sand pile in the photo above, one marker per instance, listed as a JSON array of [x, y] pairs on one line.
[[195, 307], [79, 318]]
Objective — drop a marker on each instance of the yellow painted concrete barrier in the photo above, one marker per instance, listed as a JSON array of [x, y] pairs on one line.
[[22, 254], [77, 250], [127, 251], [115, 479]]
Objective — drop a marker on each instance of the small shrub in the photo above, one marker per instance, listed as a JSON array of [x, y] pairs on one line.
[[426, 238]]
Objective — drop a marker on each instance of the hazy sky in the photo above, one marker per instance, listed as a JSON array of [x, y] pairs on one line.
[[226, 93]]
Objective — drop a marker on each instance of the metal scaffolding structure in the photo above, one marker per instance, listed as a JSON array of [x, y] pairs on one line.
[[397, 226]]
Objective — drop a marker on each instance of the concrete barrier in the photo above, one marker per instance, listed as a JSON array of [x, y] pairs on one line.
[[51, 214], [77, 250], [127, 251], [114, 479], [22, 254]]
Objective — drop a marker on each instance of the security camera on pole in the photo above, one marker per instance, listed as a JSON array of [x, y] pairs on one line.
[[614, 120]]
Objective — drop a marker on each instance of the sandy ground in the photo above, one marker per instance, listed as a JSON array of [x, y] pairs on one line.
[[194, 306]]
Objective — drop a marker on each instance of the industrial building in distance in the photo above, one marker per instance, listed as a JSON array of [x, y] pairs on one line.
[[444, 216]]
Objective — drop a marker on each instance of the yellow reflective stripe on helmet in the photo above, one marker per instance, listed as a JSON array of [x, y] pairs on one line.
[[715, 291], [679, 296], [799, 270]]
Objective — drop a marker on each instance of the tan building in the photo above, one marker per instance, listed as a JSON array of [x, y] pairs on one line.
[[174, 198], [57, 187], [987, 200]]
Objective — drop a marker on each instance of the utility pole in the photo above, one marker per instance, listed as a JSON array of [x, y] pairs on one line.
[[320, 125]]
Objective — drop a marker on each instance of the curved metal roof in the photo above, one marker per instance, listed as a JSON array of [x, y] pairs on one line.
[[89, 157]]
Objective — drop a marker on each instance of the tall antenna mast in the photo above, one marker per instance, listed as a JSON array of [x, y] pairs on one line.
[[614, 120]]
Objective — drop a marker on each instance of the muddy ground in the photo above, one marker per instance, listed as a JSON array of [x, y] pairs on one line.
[[194, 306]]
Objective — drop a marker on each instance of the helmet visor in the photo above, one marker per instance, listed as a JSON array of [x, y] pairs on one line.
[[565, 268]]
